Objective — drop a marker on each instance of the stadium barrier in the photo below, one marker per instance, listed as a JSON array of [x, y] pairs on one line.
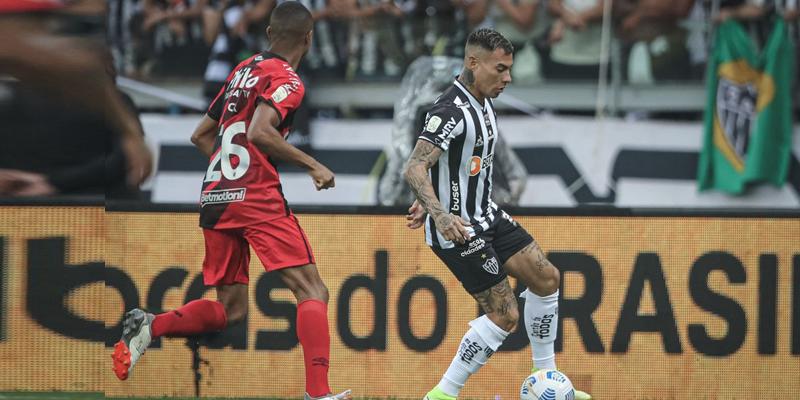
[[653, 306]]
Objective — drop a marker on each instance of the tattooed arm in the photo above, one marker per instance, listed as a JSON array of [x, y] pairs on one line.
[[422, 159]]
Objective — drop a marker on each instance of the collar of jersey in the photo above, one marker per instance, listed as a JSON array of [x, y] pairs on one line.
[[268, 54], [469, 95]]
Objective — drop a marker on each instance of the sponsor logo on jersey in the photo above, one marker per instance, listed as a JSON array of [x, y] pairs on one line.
[[475, 245], [476, 164], [491, 266], [448, 127], [455, 195], [242, 79], [222, 196], [433, 124]]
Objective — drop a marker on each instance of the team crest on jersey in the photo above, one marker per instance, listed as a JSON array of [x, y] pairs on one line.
[[433, 124]]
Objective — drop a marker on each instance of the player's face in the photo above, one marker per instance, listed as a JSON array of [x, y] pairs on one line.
[[493, 73]]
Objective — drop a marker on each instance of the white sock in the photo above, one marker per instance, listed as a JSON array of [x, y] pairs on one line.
[[478, 344], [541, 323]]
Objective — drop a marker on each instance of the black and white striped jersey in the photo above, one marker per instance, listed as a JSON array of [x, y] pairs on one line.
[[466, 131]]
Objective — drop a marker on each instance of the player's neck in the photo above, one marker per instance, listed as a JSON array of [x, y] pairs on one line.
[[292, 55], [468, 80]]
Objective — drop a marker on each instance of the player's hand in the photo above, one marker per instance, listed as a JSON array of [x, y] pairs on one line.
[[22, 183], [323, 177], [415, 216], [453, 228]]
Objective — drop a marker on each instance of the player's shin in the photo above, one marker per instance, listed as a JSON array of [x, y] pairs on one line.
[[193, 318], [541, 324], [314, 336], [478, 344]]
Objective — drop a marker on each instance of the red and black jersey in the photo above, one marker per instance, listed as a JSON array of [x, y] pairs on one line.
[[17, 6], [241, 186]]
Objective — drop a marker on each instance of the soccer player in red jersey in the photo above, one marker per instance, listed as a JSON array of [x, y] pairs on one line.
[[242, 205]]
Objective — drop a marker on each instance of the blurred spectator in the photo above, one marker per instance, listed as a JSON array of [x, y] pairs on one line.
[[120, 15], [654, 44], [379, 40], [575, 39], [333, 35], [743, 10], [791, 10], [168, 29], [520, 21], [435, 27]]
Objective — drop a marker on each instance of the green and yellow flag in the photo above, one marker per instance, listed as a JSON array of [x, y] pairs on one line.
[[748, 115]]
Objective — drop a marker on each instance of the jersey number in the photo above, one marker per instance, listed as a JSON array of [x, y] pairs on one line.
[[228, 149]]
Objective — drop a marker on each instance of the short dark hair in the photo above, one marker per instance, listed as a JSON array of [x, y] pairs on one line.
[[291, 21], [489, 39]]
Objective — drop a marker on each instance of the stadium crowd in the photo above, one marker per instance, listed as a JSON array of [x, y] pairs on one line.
[[376, 39]]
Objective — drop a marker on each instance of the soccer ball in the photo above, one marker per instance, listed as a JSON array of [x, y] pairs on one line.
[[547, 384]]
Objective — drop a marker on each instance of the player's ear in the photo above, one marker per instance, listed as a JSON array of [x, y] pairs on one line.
[[472, 62], [269, 33], [309, 37]]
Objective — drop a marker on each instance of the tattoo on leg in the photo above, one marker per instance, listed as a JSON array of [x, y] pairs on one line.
[[499, 298], [539, 259]]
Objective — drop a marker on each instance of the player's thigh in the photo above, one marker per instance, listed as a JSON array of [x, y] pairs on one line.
[[530, 265], [227, 257]]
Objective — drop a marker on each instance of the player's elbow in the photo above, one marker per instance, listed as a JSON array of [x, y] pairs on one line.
[[197, 138]]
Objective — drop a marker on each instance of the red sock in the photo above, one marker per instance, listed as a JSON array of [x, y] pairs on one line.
[[312, 330], [194, 317]]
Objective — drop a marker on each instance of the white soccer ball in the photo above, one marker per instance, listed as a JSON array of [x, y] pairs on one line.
[[547, 384]]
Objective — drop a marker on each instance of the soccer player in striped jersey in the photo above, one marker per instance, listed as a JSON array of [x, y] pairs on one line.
[[450, 172]]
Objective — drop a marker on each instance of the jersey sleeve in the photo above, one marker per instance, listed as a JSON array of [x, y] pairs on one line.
[[215, 109], [442, 124], [284, 93]]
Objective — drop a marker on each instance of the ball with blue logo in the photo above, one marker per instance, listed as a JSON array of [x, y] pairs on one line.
[[547, 384]]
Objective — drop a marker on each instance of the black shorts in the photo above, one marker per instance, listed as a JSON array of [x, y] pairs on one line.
[[478, 264]]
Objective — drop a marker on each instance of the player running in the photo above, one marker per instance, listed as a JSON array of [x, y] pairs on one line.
[[450, 172], [242, 205]]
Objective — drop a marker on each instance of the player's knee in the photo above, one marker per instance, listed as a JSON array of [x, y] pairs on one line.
[[554, 280], [313, 289], [547, 282]]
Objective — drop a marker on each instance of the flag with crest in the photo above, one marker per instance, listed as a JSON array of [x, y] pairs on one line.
[[748, 115]]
